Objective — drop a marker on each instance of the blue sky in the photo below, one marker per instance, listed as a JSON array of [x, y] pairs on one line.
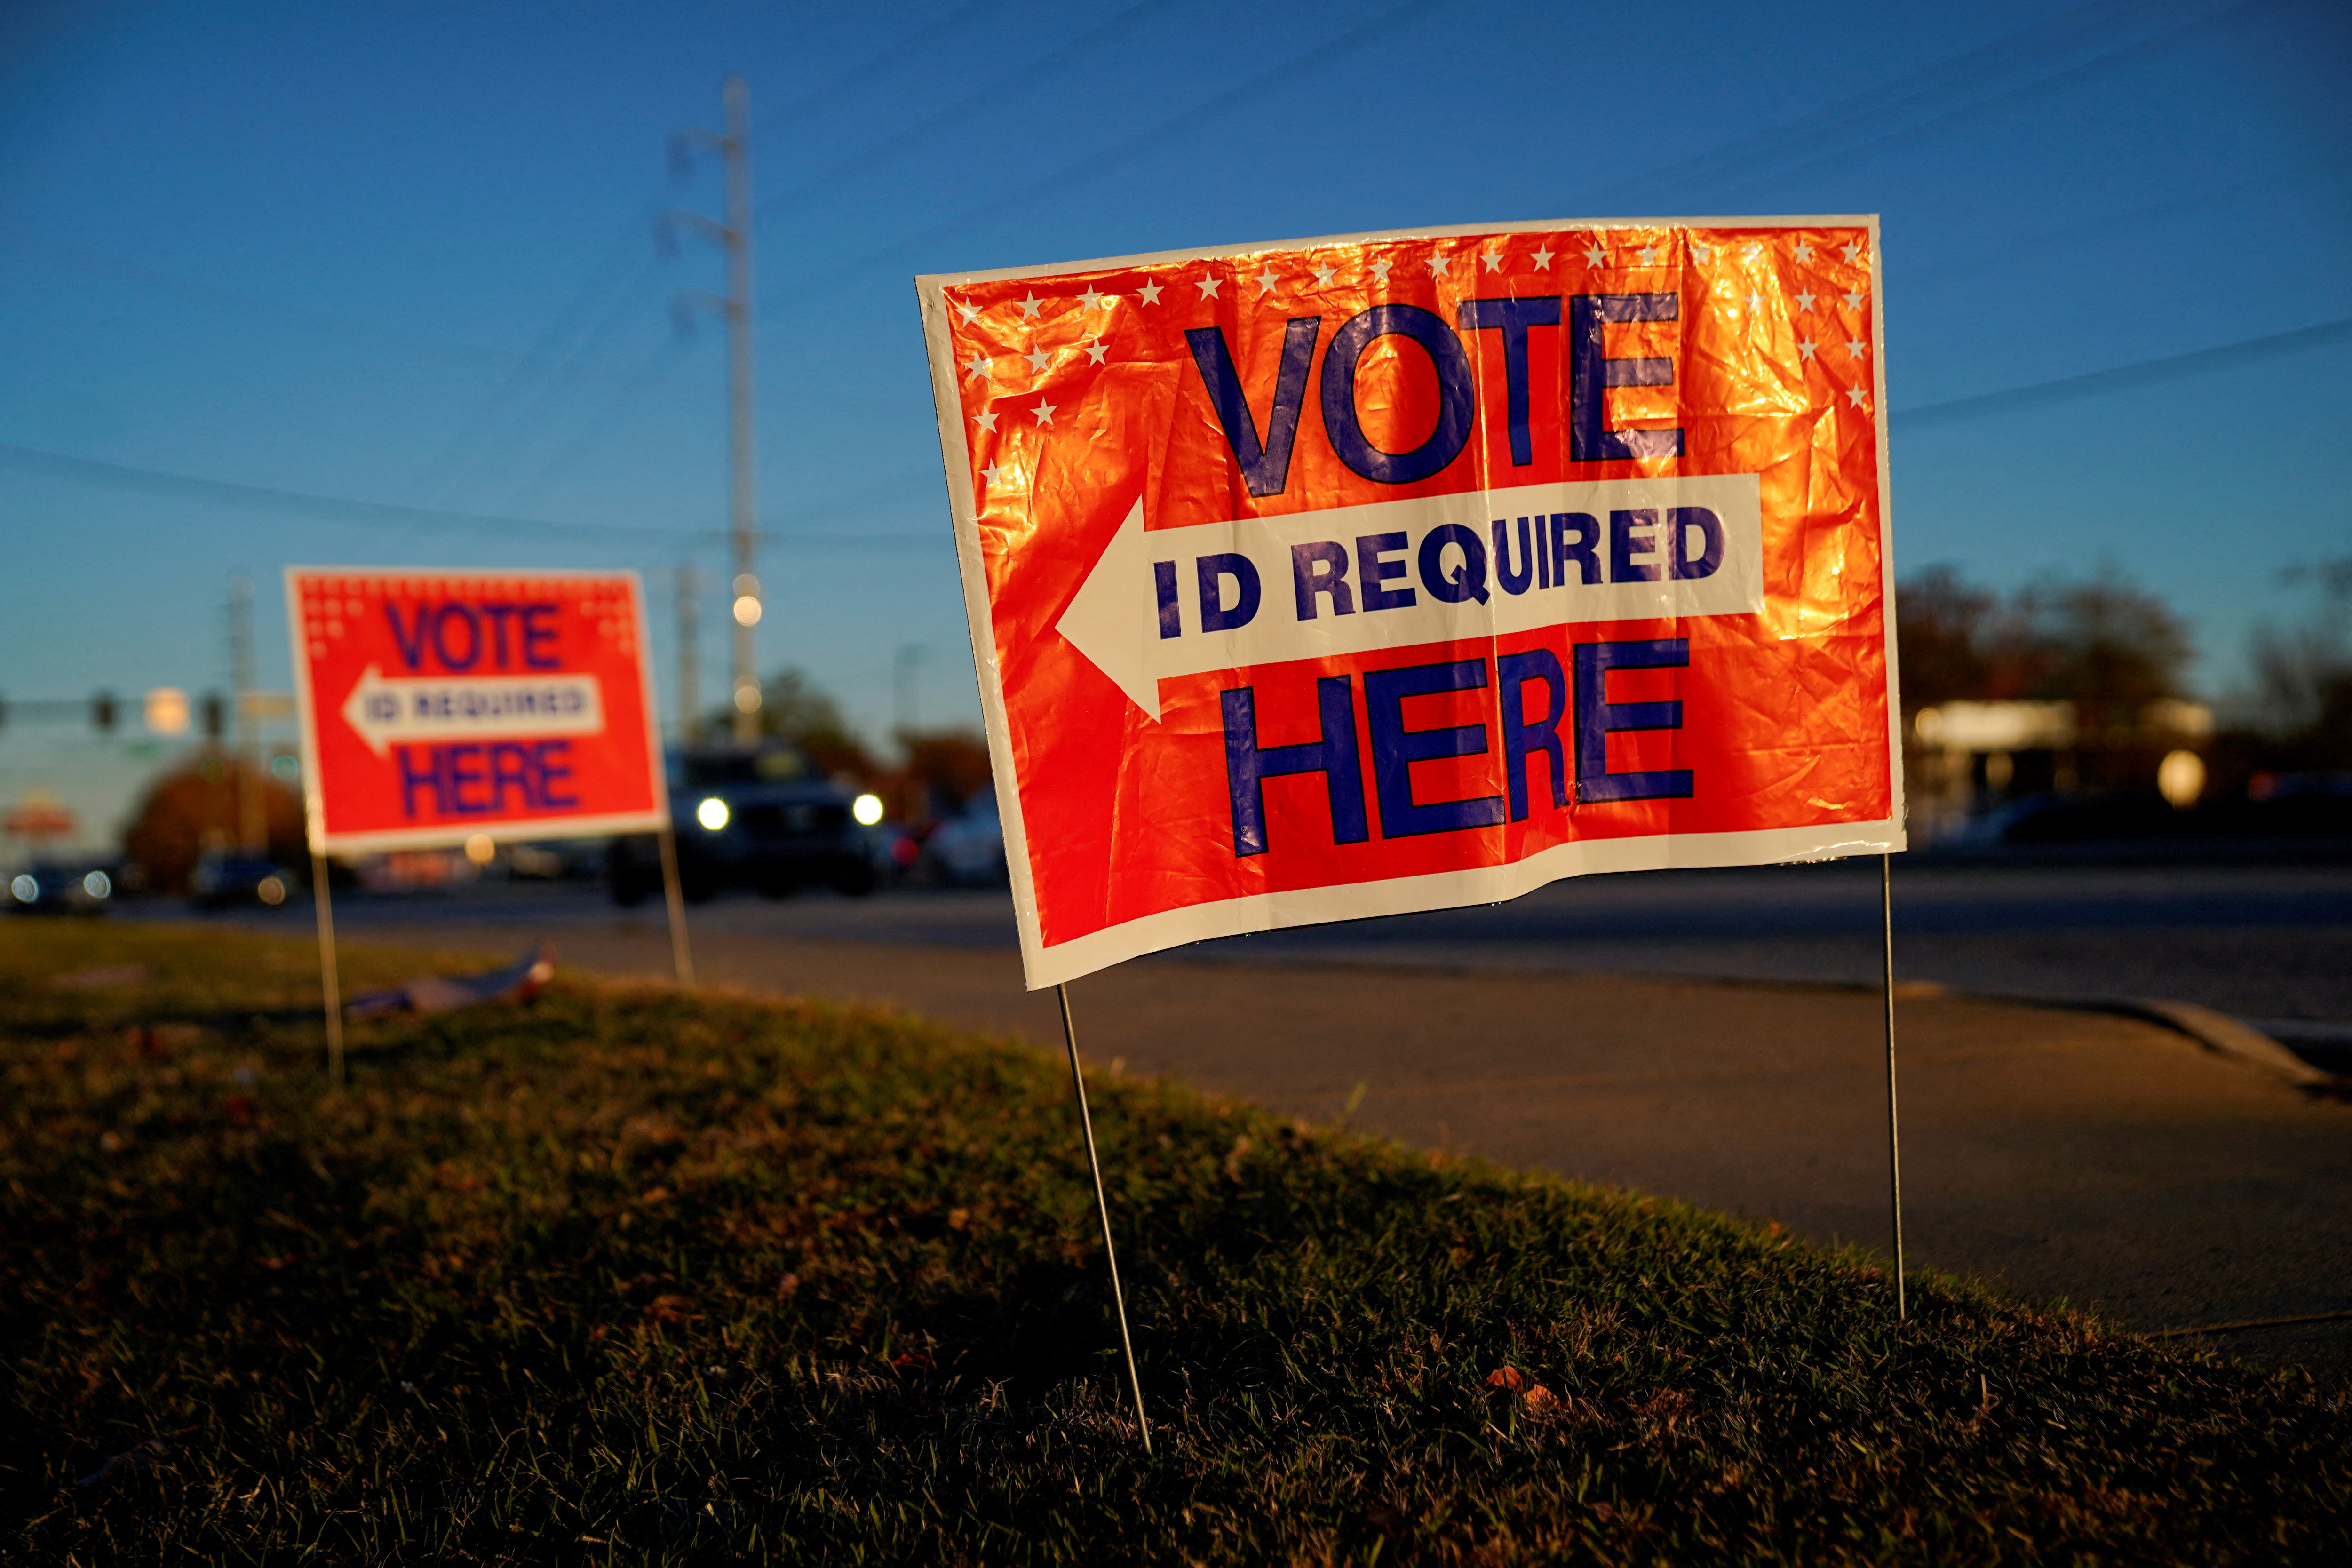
[[323, 282]]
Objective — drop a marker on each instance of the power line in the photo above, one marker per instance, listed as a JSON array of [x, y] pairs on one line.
[[349, 509], [2223, 356], [913, 135], [1283, 75]]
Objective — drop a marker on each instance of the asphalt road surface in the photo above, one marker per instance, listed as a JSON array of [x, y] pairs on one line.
[[2261, 942]]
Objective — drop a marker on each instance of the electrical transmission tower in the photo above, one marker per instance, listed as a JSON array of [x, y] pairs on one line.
[[734, 235]]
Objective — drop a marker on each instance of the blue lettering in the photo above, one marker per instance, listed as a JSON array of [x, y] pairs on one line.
[[1164, 585], [1372, 572], [1522, 740], [1590, 370], [410, 639], [1624, 544], [1513, 317], [498, 615], [1335, 757], [551, 772], [1210, 572], [1265, 469], [1516, 582], [461, 766], [1456, 395], [1582, 550], [1680, 562], [534, 635], [411, 781], [1597, 719], [1321, 568], [1467, 581], [441, 619], [1395, 748]]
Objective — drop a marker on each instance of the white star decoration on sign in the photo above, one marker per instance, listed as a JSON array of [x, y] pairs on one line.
[[1701, 252], [1380, 271], [1029, 307], [977, 365], [1036, 358], [1437, 267], [1265, 282], [993, 474], [1543, 259], [1754, 299], [1150, 292], [971, 311], [1853, 300], [1649, 255], [1044, 411], [1852, 247], [986, 422], [1092, 297], [1595, 256], [1095, 351], [1493, 258], [1324, 274], [1855, 396], [1803, 252], [1805, 301], [1855, 348], [1806, 346], [1207, 286]]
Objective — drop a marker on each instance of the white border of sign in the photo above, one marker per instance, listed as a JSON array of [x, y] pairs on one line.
[[1066, 961], [314, 807]]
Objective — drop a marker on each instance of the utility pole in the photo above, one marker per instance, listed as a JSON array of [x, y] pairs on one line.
[[689, 655], [734, 145], [252, 823]]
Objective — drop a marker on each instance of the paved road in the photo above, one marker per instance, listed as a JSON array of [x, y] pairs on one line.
[[2262, 941]]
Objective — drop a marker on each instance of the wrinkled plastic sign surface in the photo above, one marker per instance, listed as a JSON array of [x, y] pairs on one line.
[[1352, 576], [439, 705]]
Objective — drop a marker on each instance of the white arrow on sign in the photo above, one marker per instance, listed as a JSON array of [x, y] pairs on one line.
[[1617, 561], [385, 711]]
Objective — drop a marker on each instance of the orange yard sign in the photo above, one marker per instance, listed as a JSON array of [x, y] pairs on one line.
[[1352, 576], [436, 705]]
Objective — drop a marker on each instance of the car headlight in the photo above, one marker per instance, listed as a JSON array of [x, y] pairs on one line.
[[711, 812], [24, 888], [867, 809], [98, 885]]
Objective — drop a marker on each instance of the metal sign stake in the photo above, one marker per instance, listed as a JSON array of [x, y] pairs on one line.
[[1102, 1208], [1893, 1135], [327, 982], [681, 956]]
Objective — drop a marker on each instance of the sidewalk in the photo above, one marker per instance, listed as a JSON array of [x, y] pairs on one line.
[[2099, 1158]]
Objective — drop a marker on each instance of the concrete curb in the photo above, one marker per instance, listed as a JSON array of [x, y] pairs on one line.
[[2216, 1032]]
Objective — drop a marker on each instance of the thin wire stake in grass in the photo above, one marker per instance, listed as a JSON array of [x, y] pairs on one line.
[[328, 985], [1102, 1208], [1893, 1136]]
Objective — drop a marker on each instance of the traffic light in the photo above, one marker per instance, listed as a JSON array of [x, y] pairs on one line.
[[102, 712]]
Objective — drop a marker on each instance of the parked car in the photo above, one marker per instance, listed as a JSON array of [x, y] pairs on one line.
[[225, 878], [61, 887], [967, 850], [763, 818]]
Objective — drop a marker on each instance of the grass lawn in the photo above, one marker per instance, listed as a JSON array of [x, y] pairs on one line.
[[630, 1275]]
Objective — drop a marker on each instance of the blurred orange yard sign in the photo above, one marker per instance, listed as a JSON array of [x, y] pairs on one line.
[[1353, 576], [436, 705]]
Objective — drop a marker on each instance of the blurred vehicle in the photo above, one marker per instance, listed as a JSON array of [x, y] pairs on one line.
[[763, 818], [61, 887], [223, 877], [967, 850]]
